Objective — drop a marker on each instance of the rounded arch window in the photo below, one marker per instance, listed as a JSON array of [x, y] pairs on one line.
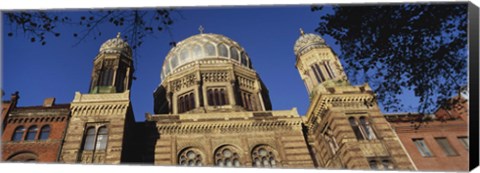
[[184, 54], [234, 53], [197, 51], [222, 50], [264, 156], [209, 49], [31, 133], [23, 157], [174, 61], [244, 59], [17, 135], [227, 156], [190, 157], [44, 132]]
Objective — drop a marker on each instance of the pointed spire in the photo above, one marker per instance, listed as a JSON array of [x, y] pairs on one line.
[[301, 32], [201, 29], [118, 34]]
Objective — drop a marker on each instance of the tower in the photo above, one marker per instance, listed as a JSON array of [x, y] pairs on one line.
[[112, 68], [101, 119], [345, 128]]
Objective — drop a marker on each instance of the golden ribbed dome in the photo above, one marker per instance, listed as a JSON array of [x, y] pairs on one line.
[[116, 45], [204, 46]]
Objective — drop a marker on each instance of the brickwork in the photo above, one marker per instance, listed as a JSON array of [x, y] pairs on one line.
[[39, 150]]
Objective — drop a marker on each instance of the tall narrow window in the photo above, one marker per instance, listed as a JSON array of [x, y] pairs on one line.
[[464, 141], [44, 132], [319, 80], [180, 105], [217, 97], [222, 50], [186, 102], [191, 98], [319, 71], [446, 147], [244, 59], [210, 97], [367, 128], [326, 64], [89, 139], [102, 136], [234, 53], [31, 133], [18, 134], [210, 49], [355, 128], [422, 147]]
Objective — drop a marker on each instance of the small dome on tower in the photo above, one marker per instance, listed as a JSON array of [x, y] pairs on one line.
[[116, 45], [308, 41]]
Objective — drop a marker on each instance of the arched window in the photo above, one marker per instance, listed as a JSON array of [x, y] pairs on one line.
[[96, 140], [102, 137], [174, 62], [197, 52], [244, 59], [180, 105], [18, 134], [234, 53], [264, 156], [367, 128], [355, 128], [222, 50], [23, 157], [190, 157], [89, 139], [44, 132], [210, 49], [31, 133], [184, 54], [227, 156], [387, 165]]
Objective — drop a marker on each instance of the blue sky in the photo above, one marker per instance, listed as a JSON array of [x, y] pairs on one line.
[[268, 34]]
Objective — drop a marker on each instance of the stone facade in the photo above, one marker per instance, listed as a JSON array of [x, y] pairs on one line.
[[345, 127]]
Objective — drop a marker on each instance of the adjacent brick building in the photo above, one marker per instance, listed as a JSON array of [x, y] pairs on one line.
[[35, 133], [441, 142]]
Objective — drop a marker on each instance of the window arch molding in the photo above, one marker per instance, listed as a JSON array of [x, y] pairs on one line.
[[18, 133], [95, 137], [190, 156], [227, 155], [264, 155], [23, 156], [31, 133]]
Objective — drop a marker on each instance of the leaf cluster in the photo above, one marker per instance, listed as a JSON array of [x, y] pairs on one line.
[[401, 47]]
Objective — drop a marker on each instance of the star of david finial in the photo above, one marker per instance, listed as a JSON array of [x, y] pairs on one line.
[[201, 29], [301, 31], [118, 34]]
